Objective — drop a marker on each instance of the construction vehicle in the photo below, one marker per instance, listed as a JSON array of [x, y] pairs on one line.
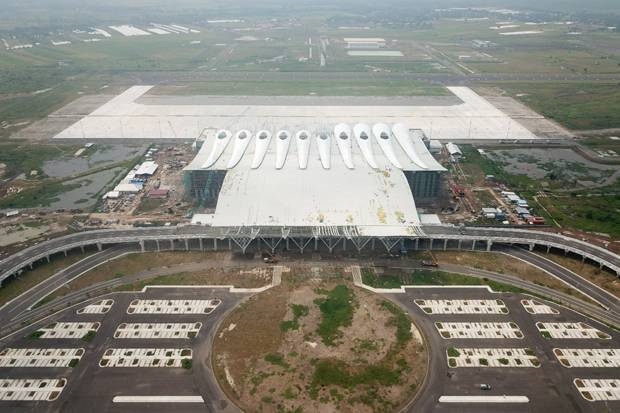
[[430, 263], [269, 258]]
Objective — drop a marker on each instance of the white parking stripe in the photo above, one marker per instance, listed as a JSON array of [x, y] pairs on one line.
[[100, 307], [157, 330], [67, 330], [588, 357], [39, 357], [173, 306], [492, 357], [478, 330], [570, 330], [462, 306], [145, 357], [598, 389], [31, 389], [536, 307]]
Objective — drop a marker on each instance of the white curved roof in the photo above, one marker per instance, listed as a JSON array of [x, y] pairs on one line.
[[383, 136], [323, 141], [401, 132], [302, 138], [262, 140], [343, 137], [242, 140], [403, 149], [362, 134], [222, 137], [283, 141]]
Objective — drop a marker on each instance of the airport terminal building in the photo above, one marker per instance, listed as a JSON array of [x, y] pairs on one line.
[[363, 175]]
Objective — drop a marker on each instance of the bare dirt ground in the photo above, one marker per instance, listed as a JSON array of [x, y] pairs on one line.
[[182, 268], [506, 265], [265, 366], [590, 272]]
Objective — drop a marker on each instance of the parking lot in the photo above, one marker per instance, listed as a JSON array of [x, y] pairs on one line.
[[493, 339], [160, 347]]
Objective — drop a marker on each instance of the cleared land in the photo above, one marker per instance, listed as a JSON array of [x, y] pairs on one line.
[[168, 268], [506, 265], [318, 345]]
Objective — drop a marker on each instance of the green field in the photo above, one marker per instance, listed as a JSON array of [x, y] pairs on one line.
[[574, 105]]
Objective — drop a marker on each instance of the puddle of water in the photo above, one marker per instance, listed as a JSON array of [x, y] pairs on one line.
[[560, 165], [86, 195], [105, 154]]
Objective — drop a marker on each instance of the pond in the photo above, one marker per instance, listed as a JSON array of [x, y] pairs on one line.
[[102, 155]]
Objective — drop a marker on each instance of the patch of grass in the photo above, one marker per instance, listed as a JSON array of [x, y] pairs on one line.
[[336, 372], [430, 277], [298, 312], [42, 195], [74, 362], [574, 105], [35, 334], [186, 364], [597, 213], [452, 352], [337, 311], [400, 320], [276, 359], [89, 336]]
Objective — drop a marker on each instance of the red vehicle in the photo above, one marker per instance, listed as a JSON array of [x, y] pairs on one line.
[[536, 221], [457, 190]]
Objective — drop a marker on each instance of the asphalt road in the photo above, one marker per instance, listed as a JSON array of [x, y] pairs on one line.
[[24, 302], [134, 235], [606, 299], [90, 388], [549, 388]]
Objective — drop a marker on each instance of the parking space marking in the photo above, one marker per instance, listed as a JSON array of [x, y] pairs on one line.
[[31, 389], [570, 330], [145, 357], [462, 306], [478, 330], [598, 389], [588, 357], [67, 330], [491, 357], [536, 307], [157, 330], [173, 306], [40, 357], [100, 307]]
